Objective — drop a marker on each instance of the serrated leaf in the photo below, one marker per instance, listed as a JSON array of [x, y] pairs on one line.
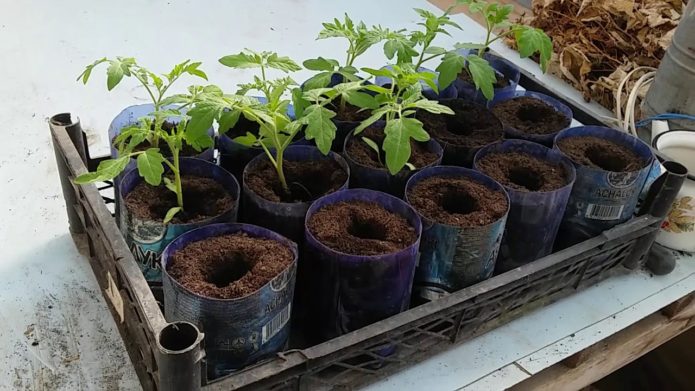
[[151, 166], [320, 64], [169, 184], [469, 45], [350, 70], [107, 170], [361, 99], [299, 102], [202, 117], [241, 60], [114, 74], [396, 144], [88, 70], [385, 72], [248, 140], [171, 213], [282, 63], [431, 106], [483, 75], [376, 115], [435, 50], [319, 127], [320, 80], [227, 120], [377, 89], [531, 40], [449, 68]]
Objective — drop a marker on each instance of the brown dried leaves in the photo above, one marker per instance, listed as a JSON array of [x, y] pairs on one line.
[[597, 42]]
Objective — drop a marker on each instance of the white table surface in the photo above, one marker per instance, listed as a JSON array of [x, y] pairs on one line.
[[55, 330]]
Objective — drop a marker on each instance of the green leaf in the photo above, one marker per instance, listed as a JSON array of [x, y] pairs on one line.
[[171, 213], [435, 50], [410, 166], [299, 102], [450, 67], [483, 75], [88, 70], [228, 119], [378, 89], [361, 99], [320, 64], [241, 60], [169, 184], [469, 45], [431, 106], [282, 63], [192, 69], [151, 166], [532, 40], [380, 72], [319, 127], [114, 74], [202, 117], [350, 70], [371, 144], [107, 169], [248, 140], [320, 80], [376, 115], [396, 144]]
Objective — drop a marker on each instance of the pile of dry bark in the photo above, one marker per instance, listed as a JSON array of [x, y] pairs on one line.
[[597, 42]]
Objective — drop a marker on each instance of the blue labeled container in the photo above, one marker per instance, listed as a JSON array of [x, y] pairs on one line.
[[235, 156], [285, 218], [130, 116], [602, 199], [237, 331], [502, 67], [534, 216], [545, 139], [353, 291], [363, 176], [448, 92], [452, 257], [148, 238]]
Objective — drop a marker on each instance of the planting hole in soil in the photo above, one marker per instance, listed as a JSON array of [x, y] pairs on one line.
[[229, 266], [530, 115], [471, 125], [526, 177], [349, 112], [307, 180], [361, 228], [523, 172], [360, 152], [601, 154], [203, 198], [178, 336], [457, 201]]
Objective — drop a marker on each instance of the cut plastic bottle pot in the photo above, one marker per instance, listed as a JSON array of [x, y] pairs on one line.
[[284, 218], [451, 257], [602, 199], [545, 139], [147, 238], [237, 331], [352, 291], [534, 216], [363, 176]]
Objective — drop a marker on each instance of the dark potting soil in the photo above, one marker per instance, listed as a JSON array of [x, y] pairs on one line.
[[307, 180], [601, 154], [523, 172], [203, 198], [468, 127], [457, 201], [350, 113], [500, 81], [360, 152], [530, 115], [361, 228], [229, 266]]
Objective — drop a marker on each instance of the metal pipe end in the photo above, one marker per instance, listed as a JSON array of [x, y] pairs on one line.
[[675, 168], [64, 119], [178, 338]]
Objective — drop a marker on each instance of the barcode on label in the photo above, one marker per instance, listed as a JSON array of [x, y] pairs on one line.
[[271, 328], [604, 212]]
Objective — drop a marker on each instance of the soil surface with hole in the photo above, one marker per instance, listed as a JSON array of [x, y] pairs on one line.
[[457, 201], [203, 198], [470, 126], [601, 154], [307, 180], [530, 116], [523, 172], [360, 152], [500, 80], [361, 228], [350, 113], [229, 266]]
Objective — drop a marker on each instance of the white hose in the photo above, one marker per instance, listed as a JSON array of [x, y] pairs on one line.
[[627, 121]]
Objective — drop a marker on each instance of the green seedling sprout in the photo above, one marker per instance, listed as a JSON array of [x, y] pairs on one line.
[[151, 161], [397, 105]]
